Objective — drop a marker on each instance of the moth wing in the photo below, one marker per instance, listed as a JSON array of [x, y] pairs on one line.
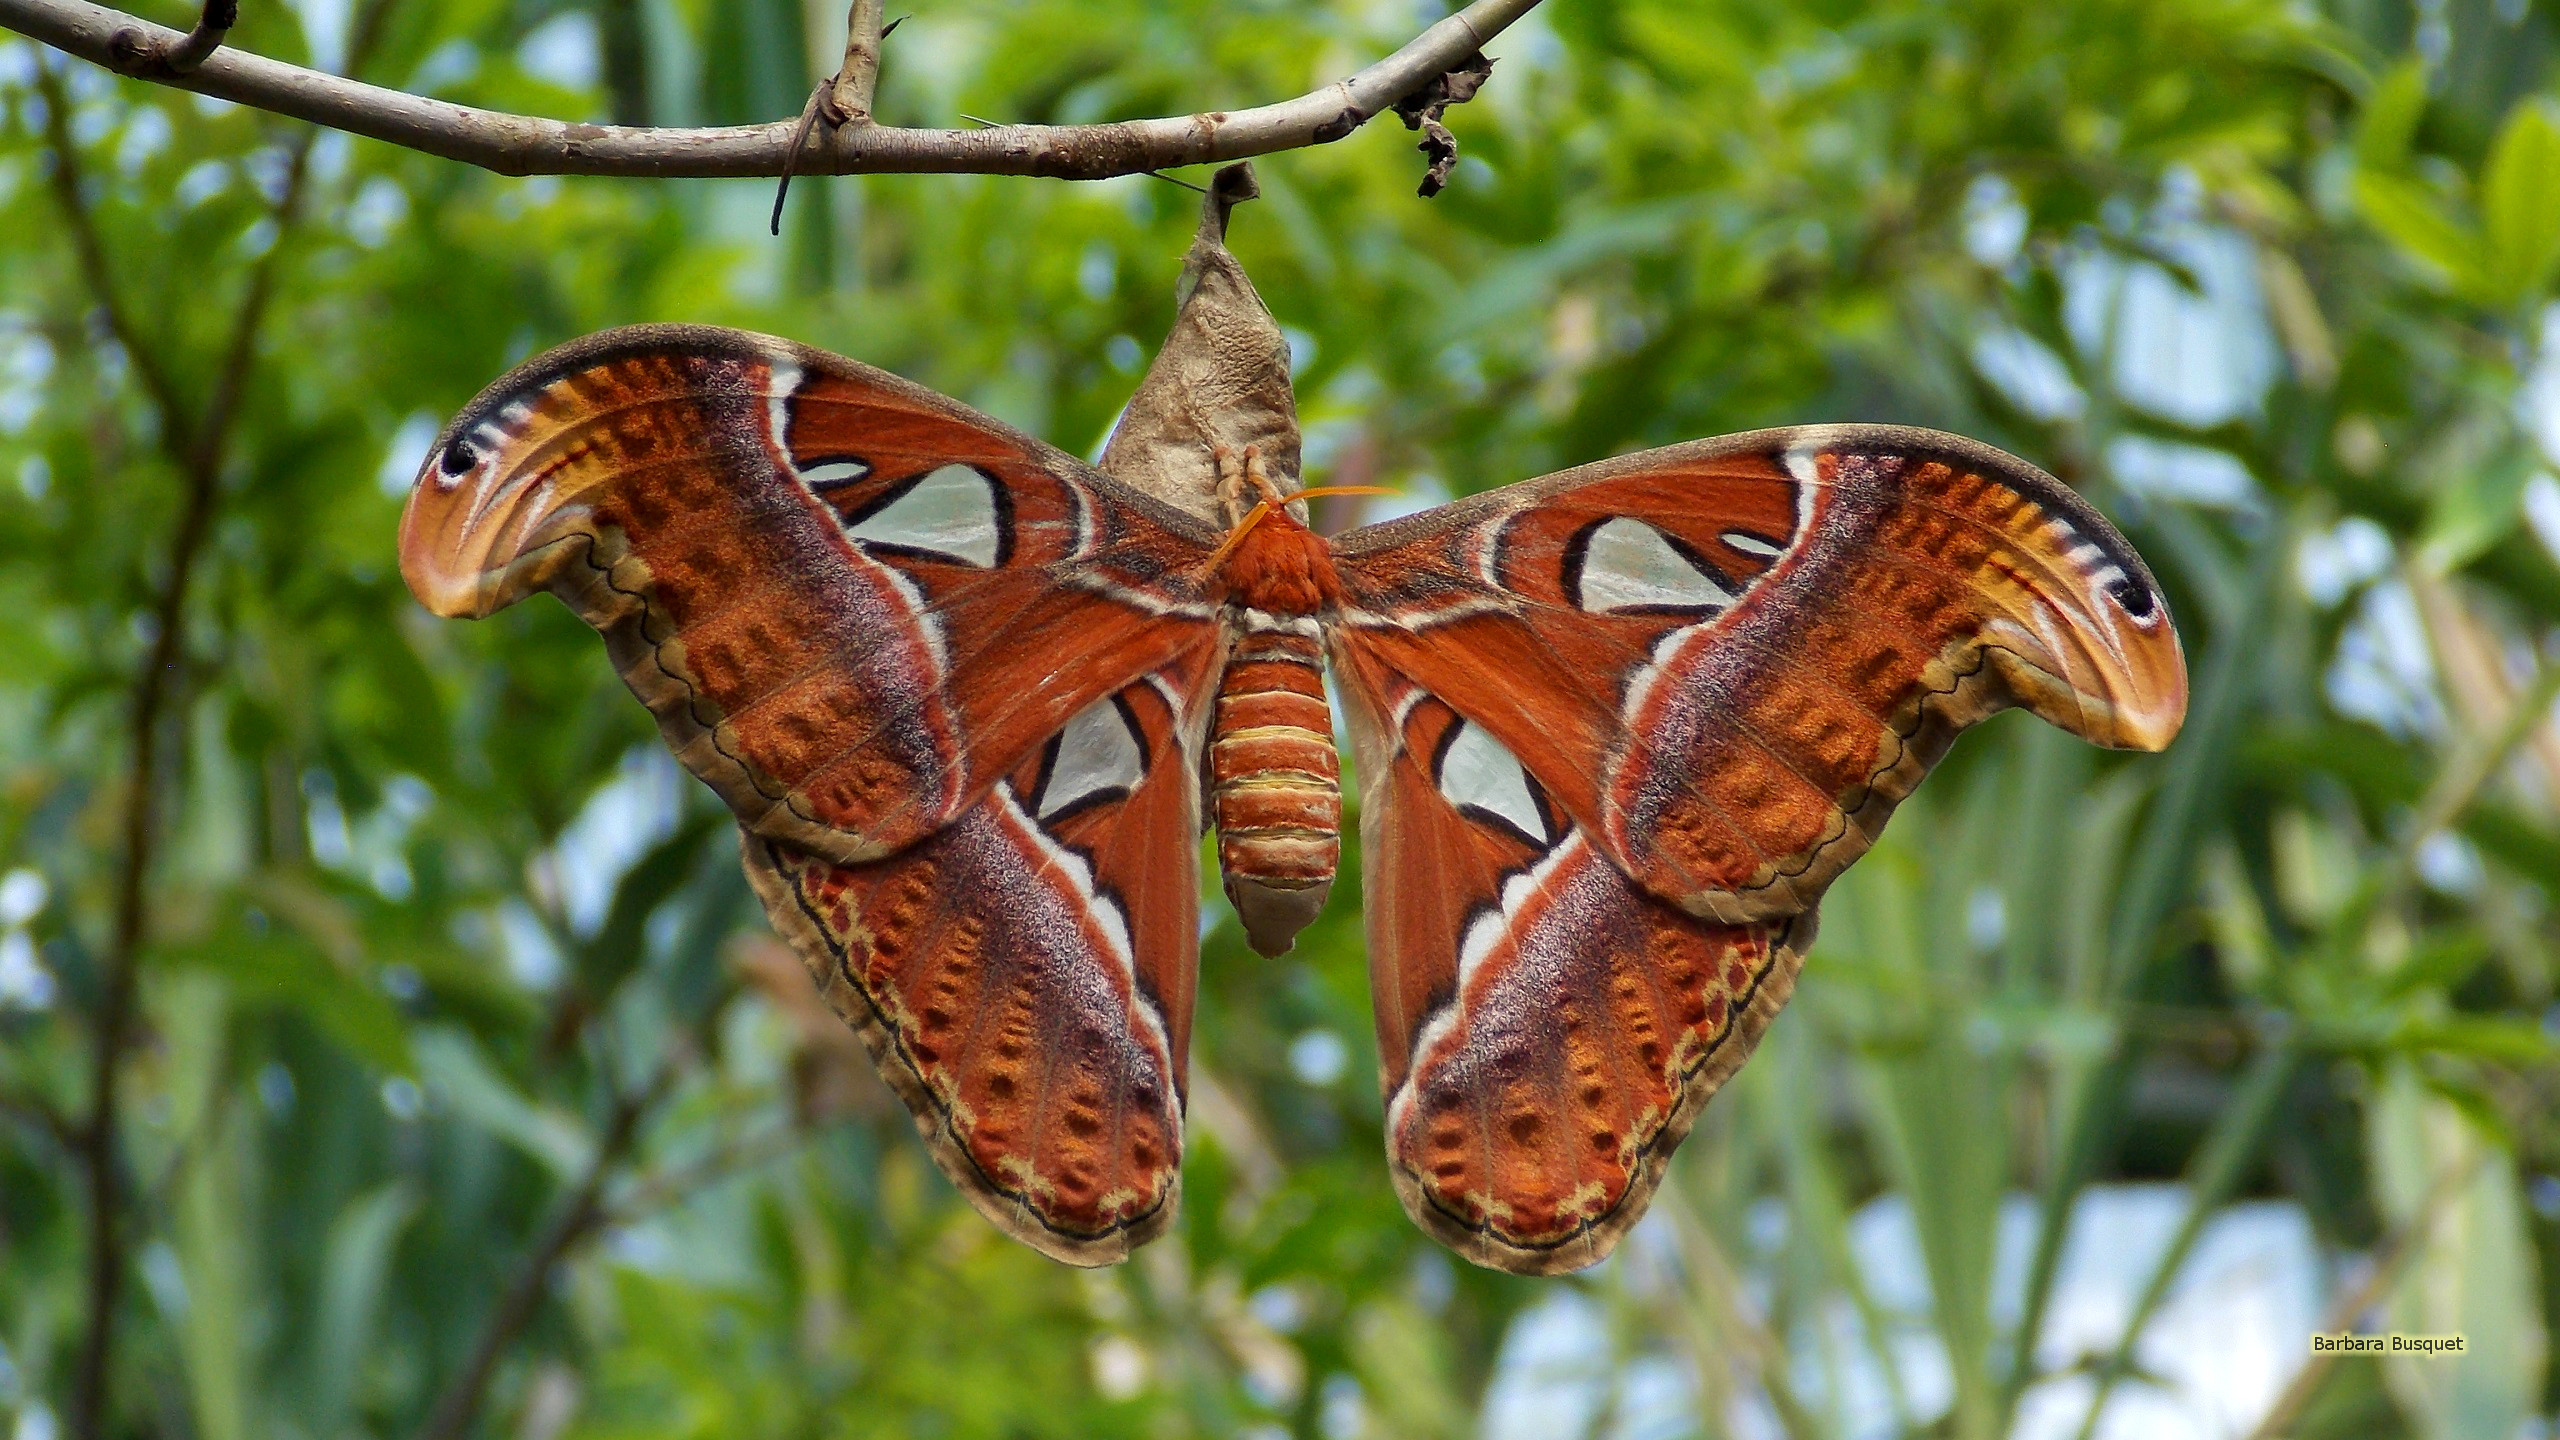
[[1726, 662], [1547, 1029], [1024, 976], [851, 603]]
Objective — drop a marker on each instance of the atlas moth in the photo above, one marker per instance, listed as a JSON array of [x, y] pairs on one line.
[[972, 701]]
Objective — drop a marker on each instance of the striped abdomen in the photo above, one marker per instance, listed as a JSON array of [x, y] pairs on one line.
[[1275, 781]]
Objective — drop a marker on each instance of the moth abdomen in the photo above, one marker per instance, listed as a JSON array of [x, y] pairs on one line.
[[1275, 781]]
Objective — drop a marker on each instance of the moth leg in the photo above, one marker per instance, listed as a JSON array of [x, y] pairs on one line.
[[1261, 478], [1242, 480], [1232, 468]]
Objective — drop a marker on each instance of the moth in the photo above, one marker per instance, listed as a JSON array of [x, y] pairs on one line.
[[972, 700]]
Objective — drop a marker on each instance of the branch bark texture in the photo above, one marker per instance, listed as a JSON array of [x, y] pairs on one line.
[[529, 145], [858, 79], [136, 55]]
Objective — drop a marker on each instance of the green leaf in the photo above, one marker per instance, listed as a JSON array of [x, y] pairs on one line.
[[2445, 1183], [2412, 218], [2516, 1041], [464, 1079], [2231, 1146], [282, 969], [2520, 202], [211, 1211], [2439, 964], [353, 1286], [2391, 115], [2479, 506], [611, 953]]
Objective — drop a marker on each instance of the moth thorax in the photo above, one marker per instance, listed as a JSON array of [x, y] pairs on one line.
[[1275, 781], [1281, 567]]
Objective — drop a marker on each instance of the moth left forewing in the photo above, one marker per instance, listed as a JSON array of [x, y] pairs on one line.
[[851, 603], [1024, 976], [1548, 1030], [1728, 661]]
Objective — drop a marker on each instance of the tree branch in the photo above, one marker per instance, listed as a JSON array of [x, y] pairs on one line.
[[95, 1142], [652, 1193], [42, 1114], [177, 423], [857, 81], [843, 98], [138, 54], [527, 145], [581, 1217], [197, 444], [201, 464]]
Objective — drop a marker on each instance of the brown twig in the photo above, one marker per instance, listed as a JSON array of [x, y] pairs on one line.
[[653, 1193], [809, 117], [843, 98], [857, 80], [581, 1217], [177, 423], [200, 43], [197, 444], [201, 467], [44, 1115], [528, 145], [97, 1143], [142, 51]]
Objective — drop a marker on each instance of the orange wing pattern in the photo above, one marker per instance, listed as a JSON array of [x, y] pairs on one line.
[[951, 681], [1024, 976], [1547, 1030], [1728, 661], [1617, 729], [850, 602]]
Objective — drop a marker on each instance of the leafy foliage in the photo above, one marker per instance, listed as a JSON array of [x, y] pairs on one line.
[[462, 1091]]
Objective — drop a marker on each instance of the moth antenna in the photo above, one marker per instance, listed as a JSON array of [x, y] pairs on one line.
[[1318, 492], [1177, 180], [1261, 510]]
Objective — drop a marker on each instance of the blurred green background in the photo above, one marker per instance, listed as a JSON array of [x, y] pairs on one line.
[[459, 1090]]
